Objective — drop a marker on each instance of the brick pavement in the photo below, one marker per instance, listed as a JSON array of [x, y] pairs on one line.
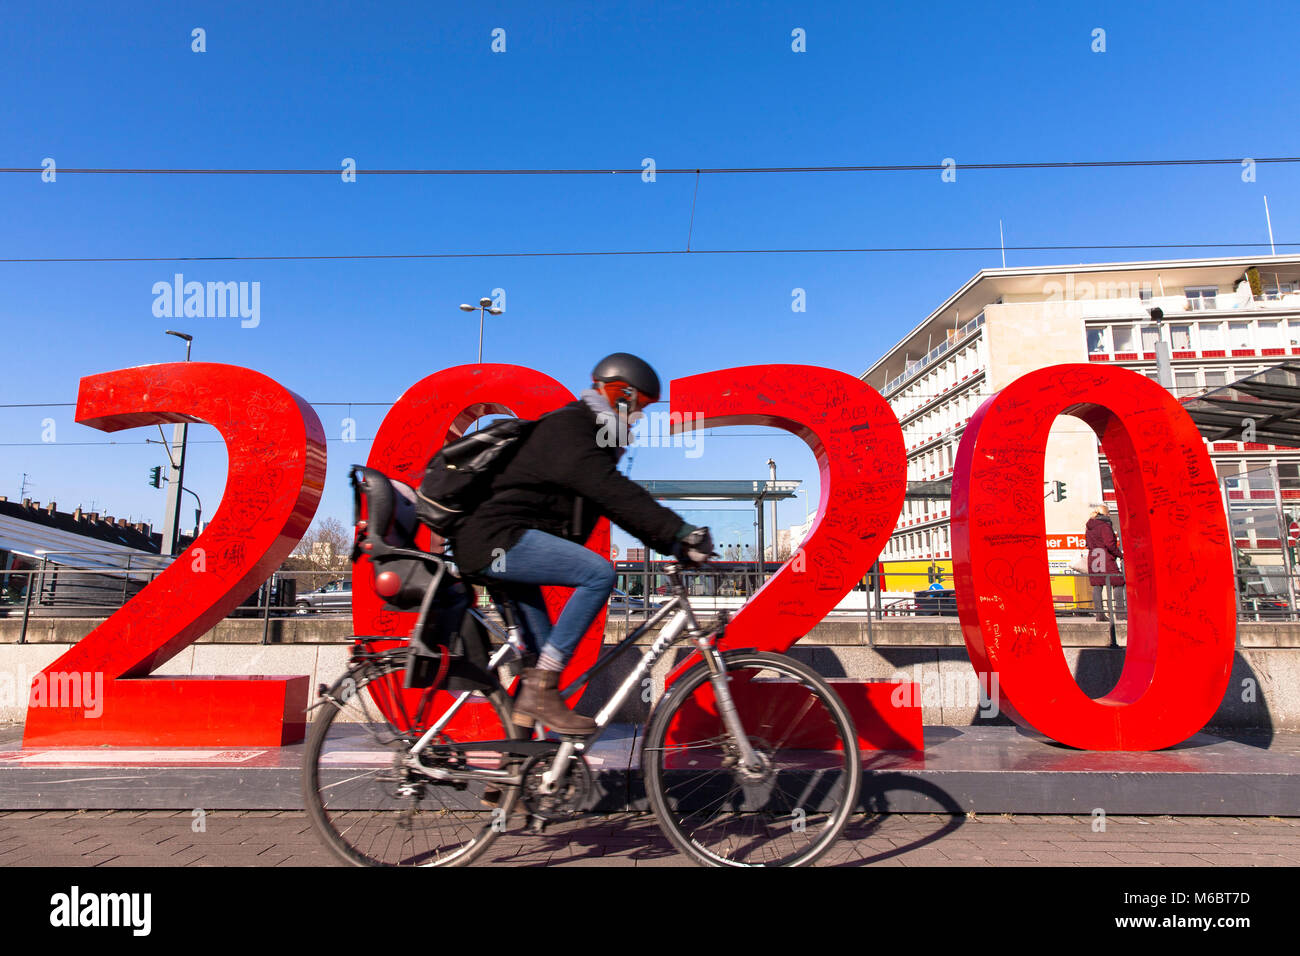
[[163, 838]]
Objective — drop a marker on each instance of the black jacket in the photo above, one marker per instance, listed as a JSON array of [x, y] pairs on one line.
[[562, 482]]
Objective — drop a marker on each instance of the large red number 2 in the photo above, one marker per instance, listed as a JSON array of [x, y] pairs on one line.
[[858, 444], [430, 413], [274, 480], [1178, 568]]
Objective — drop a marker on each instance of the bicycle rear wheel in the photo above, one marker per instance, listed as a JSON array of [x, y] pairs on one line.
[[789, 811], [371, 810]]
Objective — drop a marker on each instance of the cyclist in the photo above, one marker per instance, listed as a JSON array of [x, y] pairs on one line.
[[542, 508]]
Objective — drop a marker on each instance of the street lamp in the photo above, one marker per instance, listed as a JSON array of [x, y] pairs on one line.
[[776, 531], [189, 339], [176, 480], [484, 305], [1164, 370]]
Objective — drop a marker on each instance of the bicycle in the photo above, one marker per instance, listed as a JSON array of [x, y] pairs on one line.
[[773, 786]]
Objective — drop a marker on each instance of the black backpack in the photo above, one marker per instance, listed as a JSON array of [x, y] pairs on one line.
[[459, 478]]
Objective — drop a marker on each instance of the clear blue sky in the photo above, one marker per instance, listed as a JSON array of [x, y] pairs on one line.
[[581, 85]]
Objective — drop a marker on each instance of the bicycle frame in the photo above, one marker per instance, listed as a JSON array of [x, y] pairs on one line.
[[683, 621]]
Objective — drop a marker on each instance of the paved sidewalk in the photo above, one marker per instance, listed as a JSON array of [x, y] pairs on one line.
[[162, 838]]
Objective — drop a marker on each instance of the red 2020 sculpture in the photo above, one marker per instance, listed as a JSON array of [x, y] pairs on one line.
[[1179, 572], [274, 480], [1178, 567]]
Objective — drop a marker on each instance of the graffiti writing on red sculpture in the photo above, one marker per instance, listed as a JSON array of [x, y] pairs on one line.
[[858, 445], [274, 479], [1181, 624]]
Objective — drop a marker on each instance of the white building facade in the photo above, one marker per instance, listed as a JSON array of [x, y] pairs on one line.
[[1224, 319]]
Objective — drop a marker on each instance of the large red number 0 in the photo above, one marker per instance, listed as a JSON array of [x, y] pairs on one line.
[[1178, 566], [274, 480], [430, 413]]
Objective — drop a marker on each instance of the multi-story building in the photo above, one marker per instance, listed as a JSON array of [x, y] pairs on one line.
[[1224, 319]]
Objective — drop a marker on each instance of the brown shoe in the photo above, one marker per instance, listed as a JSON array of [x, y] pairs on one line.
[[540, 699], [1103, 618]]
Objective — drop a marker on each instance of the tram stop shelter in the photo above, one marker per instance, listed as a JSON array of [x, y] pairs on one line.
[[1263, 408], [760, 492]]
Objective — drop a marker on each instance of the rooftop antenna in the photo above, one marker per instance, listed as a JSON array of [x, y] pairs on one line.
[[22, 491], [1268, 219], [1003, 243]]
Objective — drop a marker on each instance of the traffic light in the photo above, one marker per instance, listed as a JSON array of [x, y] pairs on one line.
[[1060, 491], [155, 476]]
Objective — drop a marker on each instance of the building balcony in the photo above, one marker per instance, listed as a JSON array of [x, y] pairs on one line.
[[1174, 306], [935, 354], [1193, 354]]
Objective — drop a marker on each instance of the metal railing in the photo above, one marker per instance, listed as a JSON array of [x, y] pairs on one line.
[[57, 590], [1264, 593]]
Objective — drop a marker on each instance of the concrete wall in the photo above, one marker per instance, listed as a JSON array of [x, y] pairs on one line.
[[1264, 691]]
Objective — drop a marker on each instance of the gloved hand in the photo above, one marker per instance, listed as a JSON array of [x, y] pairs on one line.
[[695, 548]]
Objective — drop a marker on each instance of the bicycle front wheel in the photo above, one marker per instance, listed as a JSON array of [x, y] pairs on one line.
[[789, 810], [374, 811]]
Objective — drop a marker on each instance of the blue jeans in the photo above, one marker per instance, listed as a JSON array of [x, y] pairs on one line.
[[540, 558]]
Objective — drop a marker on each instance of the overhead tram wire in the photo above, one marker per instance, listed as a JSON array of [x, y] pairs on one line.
[[870, 250], [637, 171]]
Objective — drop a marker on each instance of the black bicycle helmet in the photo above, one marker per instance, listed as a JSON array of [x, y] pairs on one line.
[[622, 367]]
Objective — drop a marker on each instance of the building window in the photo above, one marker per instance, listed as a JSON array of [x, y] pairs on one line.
[[1184, 384], [1215, 379], [1150, 336], [1096, 340], [1226, 469], [1181, 335], [1288, 476], [1210, 335], [1277, 290], [1239, 335], [1123, 338], [1269, 334], [1201, 298]]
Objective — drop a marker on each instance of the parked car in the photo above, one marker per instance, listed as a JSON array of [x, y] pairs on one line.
[[620, 602], [335, 596]]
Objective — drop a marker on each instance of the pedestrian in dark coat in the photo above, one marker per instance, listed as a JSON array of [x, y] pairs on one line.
[[1103, 560]]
